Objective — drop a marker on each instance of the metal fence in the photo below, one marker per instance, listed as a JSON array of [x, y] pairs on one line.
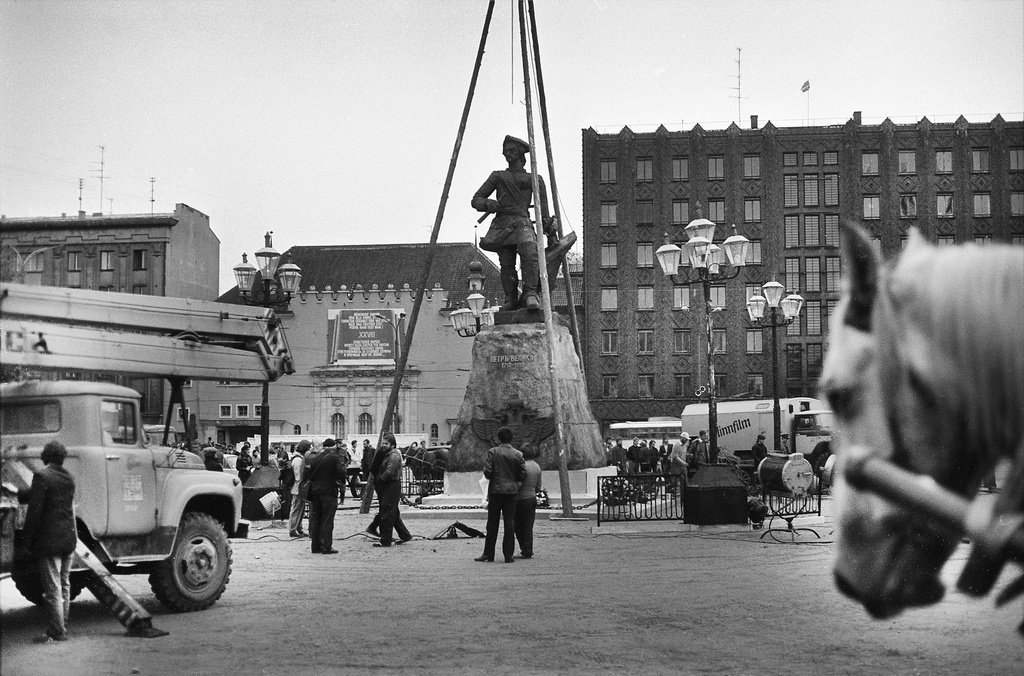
[[421, 480], [640, 497]]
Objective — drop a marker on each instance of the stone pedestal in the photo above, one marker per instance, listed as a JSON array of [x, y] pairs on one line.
[[510, 385]]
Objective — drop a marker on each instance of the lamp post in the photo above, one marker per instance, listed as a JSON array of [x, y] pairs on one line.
[[706, 260], [271, 287], [790, 306], [468, 321]]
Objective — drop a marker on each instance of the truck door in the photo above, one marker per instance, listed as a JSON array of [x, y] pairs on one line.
[[131, 474]]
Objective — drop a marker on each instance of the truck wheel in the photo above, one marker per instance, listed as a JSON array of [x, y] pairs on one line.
[[195, 575]]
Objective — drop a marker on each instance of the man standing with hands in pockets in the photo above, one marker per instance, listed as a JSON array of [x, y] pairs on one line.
[[505, 469]]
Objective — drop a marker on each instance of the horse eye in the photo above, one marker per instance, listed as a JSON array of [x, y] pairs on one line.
[[923, 390], [844, 400]]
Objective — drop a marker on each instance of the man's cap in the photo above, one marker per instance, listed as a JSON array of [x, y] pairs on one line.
[[523, 145], [330, 443], [760, 436]]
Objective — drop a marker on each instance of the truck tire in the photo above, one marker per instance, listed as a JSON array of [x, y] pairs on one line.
[[196, 573], [27, 582]]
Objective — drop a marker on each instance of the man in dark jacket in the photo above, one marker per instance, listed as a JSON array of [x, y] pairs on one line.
[[50, 535], [505, 469], [388, 463], [325, 473]]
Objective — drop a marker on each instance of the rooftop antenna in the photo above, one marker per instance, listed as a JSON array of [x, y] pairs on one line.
[[111, 201], [739, 86], [81, 183], [152, 186], [101, 175]]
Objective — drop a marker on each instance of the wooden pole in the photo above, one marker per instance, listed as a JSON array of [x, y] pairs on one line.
[[556, 400], [542, 100], [403, 358]]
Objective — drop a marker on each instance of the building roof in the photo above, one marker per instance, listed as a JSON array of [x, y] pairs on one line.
[[81, 221], [383, 264]]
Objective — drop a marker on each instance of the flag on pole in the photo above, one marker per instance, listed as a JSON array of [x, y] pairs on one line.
[[806, 87]]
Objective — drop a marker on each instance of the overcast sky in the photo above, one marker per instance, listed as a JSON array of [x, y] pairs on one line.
[[335, 122]]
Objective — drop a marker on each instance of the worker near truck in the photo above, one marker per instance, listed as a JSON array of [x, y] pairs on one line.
[[759, 451], [50, 536]]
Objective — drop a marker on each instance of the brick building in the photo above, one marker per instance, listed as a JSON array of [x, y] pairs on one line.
[[787, 190]]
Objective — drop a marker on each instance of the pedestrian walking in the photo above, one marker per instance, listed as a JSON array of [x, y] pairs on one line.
[[49, 534], [388, 484], [526, 502], [505, 470], [325, 473]]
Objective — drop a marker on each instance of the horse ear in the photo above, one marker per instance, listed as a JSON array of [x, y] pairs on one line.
[[861, 269]]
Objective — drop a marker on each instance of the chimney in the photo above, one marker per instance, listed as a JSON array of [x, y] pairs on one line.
[[856, 117], [753, 121], [81, 214]]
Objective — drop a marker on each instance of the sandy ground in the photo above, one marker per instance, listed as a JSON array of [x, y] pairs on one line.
[[652, 598]]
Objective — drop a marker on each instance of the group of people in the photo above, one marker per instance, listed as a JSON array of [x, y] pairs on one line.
[[645, 457], [514, 479]]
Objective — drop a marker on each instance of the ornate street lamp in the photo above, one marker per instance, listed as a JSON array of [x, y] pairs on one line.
[[468, 321], [272, 286], [705, 260], [790, 306]]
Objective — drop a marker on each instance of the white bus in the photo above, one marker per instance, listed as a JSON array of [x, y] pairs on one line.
[[656, 429]]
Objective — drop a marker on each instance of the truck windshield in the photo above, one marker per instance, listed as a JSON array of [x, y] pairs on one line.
[[30, 417], [118, 418]]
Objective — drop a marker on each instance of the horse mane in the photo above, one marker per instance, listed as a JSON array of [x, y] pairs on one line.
[[956, 316]]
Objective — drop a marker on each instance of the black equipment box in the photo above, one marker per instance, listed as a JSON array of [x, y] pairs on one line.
[[715, 495]]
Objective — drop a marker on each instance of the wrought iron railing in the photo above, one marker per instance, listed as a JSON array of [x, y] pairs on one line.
[[640, 497]]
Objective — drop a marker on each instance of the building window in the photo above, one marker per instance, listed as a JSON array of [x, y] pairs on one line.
[[34, 263], [831, 190], [983, 239], [1017, 240], [645, 255], [716, 211], [645, 341], [789, 159], [831, 273], [812, 230], [982, 204], [680, 212], [813, 319], [754, 252], [717, 295], [644, 170], [365, 423], [871, 209], [609, 341], [869, 164], [74, 261], [792, 226], [1017, 203], [946, 240], [718, 341], [944, 205], [257, 412], [752, 210], [720, 384], [755, 341], [434, 431], [644, 213], [645, 298], [907, 162], [755, 384], [831, 230], [752, 166], [609, 255], [793, 275], [795, 361], [810, 159], [139, 290], [609, 298], [609, 213], [106, 261], [338, 426], [812, 274], [979, 160], [943, 161], [645, 385], [716, 168], [680, 169], [242, 411], [609, 385], [831, 157], [681, 341], [140, 260], [1016, 159], [810, 191], [751, 290], [908, 205], [683, 385], [791, 190], [225, 410], [680, 298], [608, 171], [814, 360]]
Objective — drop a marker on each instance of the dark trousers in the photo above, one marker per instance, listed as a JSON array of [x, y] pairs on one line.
[[321, 521], [501, 507], [526, 514], [286, 503], [389, 495]]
